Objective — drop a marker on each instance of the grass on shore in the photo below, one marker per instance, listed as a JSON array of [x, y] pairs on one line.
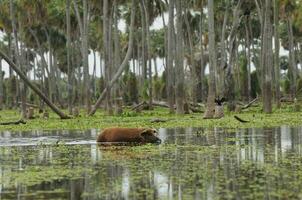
[[283, 116]]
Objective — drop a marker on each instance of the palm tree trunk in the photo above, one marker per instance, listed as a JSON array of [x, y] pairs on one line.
[[212, 52], [179, 65], [267, 56], [116, 60], [223, 51], [170, 60], [1, 85], [148, 51], [94, 74], [200, 87], [107, 54], [144, 45], [248, 47], [51, 82], [85, 56], [193, 68], [124, 63], [292, 58], [69, 70], [277, 52]]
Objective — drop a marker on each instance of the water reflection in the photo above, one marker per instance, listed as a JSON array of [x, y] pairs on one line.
[[190, 164]]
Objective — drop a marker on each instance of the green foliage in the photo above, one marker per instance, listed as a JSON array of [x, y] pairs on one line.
[[129, 88], [164, 85], [158, 43], [159, 88], [100, 86], [243, 75], [255, 85], [284, 63], [286, 86], [145, 91], [299, 86]]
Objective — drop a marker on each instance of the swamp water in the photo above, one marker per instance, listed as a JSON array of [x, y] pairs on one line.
[[189, 164]]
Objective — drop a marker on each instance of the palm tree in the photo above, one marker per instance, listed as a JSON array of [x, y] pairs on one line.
[[276, 54], [179, 65], [212, 87], [68, 47], [1, 85], [170, 61], [267, 56]]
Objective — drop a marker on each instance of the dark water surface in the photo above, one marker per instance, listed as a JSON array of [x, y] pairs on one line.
[[260, 163]]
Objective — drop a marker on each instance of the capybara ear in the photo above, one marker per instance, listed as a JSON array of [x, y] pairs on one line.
[[145, 132]]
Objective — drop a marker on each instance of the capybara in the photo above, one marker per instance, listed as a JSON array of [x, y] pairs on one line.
[[131, 135]]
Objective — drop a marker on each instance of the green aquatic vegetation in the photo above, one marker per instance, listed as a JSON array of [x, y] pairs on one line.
[[129, 118], [215, 171], [67, 163]]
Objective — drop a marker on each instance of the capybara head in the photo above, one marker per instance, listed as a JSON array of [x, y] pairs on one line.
[[149, 136]]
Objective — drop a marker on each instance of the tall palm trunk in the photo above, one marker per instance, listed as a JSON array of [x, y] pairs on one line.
[[143, 43], [117, 59], [193, 69], [267, 56], [200, 87], [248, 47], [148, 50], [277, 51], [212, 53], [292, 58], [107, 54], [69, 70], [223, 54], [85, 56], [170, 61], [1, 85], [179, 65]]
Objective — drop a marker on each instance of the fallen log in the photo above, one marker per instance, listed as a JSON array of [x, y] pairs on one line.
[[21, 121], [240, 120], [145, 105], [250, 103], [158, 120]]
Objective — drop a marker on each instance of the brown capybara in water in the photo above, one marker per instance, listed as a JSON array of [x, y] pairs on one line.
[[129, 135]]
